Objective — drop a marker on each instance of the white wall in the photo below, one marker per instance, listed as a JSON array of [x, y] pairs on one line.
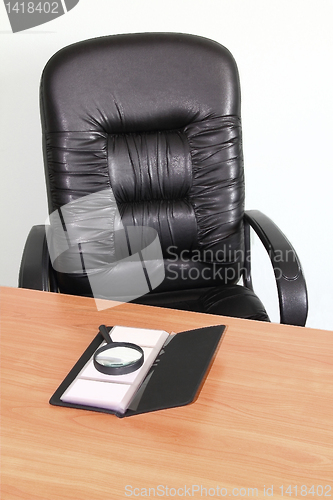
[[284, 51]]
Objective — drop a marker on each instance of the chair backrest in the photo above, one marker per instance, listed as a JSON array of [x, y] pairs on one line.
[[156, 117]]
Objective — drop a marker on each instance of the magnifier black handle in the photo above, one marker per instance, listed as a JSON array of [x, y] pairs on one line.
[[104, 331]]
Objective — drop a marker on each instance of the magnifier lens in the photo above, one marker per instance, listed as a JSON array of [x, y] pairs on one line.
[[116, 356]]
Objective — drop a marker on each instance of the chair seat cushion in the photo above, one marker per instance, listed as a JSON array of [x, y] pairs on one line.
[[229, 300]]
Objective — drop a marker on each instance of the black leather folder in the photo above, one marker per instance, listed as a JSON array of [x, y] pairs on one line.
[[174, 379]]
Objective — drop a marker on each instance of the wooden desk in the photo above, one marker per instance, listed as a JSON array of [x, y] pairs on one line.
[[263, 419]]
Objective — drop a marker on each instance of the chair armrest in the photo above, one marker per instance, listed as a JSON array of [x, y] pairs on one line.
[[290, 281], [36, 271]]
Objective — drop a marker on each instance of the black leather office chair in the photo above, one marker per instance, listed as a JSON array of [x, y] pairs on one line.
[[156, 118]]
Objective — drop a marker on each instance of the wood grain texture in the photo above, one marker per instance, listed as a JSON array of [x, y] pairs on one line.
[[263, 418]]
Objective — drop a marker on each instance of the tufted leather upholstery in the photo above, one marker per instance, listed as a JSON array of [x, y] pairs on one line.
[[156, 117]]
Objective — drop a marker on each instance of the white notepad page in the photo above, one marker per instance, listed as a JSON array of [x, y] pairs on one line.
[[115, 392]]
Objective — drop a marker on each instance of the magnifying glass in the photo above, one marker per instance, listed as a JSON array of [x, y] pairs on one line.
[[117, 358]]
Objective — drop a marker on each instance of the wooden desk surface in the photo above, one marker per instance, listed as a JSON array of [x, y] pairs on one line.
[[262, 422]]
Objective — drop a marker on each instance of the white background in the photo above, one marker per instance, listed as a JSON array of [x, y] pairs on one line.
[[284, 52]]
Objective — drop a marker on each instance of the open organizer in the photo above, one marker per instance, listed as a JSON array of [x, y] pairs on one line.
[[172, 374]]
